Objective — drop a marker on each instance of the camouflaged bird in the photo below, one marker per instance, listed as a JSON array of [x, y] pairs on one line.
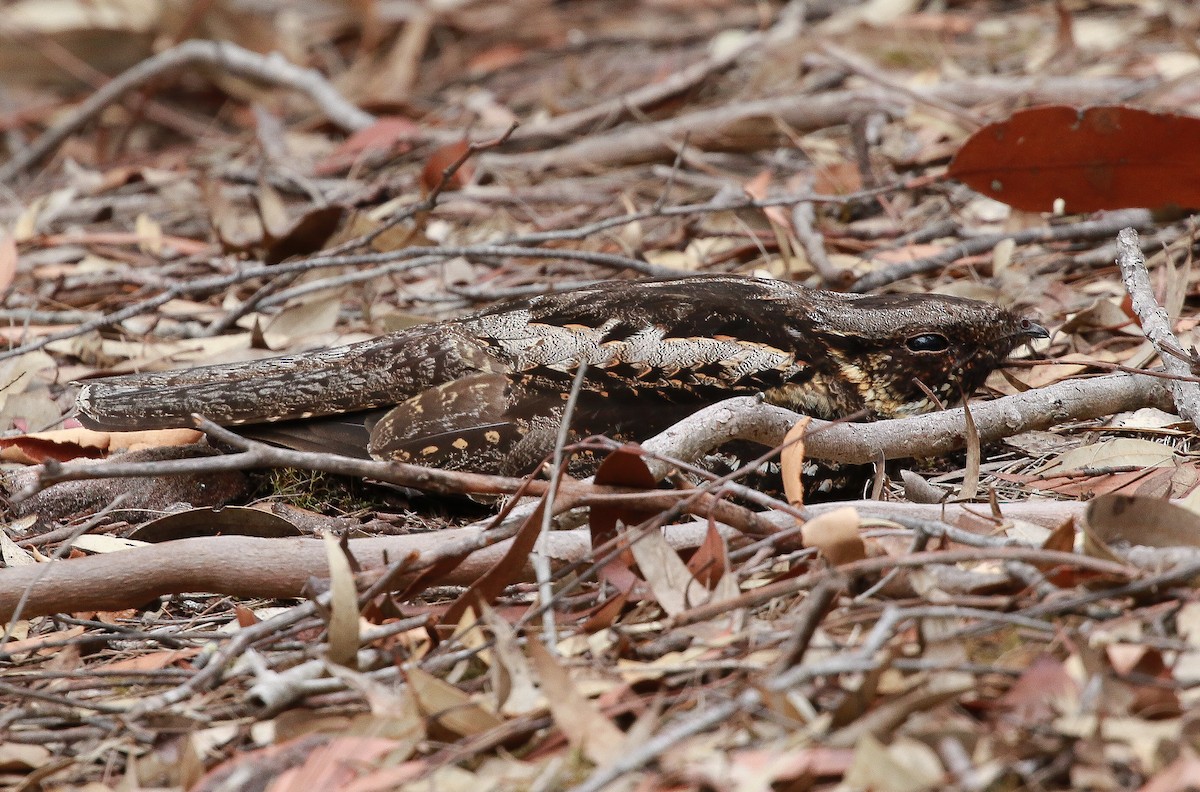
[[487, 392]]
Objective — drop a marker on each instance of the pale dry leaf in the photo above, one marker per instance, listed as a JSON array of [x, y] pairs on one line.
[[272, 211], [101, 543], [32, 409], [343, 606], [1121, 452], [448, 706], [317, 313], [393, 714], [835, 534], [513, 683], [970, 485], [909, 766], [663, 569], [149, 235], [11, 555], [21, 756], [8, 260], [584, 726]]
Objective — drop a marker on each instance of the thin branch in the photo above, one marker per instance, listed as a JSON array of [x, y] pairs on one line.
[[223, 55], [1157, 324], [1091, 229]]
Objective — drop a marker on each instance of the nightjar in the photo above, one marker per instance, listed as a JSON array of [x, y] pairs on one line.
[[486, 392]]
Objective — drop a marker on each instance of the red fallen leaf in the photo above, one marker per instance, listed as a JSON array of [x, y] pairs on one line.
[[1108, 157], [1032, 697], [503, 572], [39, 449], [709, 562], [495, 58], [441, 158], [621, 468], [388, 135]]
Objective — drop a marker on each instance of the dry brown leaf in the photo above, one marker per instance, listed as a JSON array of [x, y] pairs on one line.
[[66, 444], [8, 261], [970, 485], [577, 717], [512, 680], [1141, 521], [316, 313], [343, 606], [666, 574], [447, 706], [791, 462], [835, 534], [1120, 452]]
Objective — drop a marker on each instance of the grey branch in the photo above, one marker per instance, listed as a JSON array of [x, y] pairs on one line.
[[273, 68], [1157, 324]]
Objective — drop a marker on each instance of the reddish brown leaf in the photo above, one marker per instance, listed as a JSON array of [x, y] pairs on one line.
[[710, 560], [308, 234], [506, 570], [604, 616], [388, 135], [1108, 157], [1031, 698], [621, 468], [443, 158]]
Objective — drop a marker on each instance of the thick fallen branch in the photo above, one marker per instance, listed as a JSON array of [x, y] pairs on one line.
[[252, 567], [749, 124], [243, 566], [920, 436]]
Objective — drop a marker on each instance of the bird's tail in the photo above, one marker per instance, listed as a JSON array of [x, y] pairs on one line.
[[376, 373]]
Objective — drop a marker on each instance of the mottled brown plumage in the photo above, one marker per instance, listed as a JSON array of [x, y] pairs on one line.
[[486, 392]]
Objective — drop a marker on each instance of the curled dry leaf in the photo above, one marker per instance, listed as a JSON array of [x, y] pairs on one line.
[[343, 615], [791, 462], [1130, 519], [63, 445], [835, 534]]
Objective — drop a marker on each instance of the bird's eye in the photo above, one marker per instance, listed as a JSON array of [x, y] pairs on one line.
[[928, 342]]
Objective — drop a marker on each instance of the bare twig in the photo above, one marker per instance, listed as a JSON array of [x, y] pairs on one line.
[[1104, 227], [609, 111], [1157, 324], [219, 54], [541, 558]]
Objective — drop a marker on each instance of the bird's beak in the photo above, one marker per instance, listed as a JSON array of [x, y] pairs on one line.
[[1033, 329]]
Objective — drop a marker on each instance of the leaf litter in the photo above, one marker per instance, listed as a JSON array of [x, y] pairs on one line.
[[1021, 639]]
